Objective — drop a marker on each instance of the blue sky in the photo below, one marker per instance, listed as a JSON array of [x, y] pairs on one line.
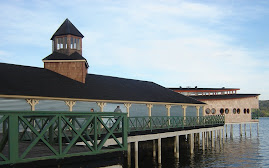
[[173, 43]]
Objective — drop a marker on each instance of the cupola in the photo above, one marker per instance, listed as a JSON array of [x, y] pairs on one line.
[[66, 58]]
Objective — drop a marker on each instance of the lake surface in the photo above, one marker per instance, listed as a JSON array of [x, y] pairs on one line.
[[245, 151]]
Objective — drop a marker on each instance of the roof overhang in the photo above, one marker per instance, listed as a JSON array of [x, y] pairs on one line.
[[95, 100]]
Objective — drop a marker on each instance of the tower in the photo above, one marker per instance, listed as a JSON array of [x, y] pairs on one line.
[[66, 58]]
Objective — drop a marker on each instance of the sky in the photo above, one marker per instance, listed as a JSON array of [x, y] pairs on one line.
[[173, 43]]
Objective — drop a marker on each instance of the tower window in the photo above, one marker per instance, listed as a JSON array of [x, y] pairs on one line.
[[72, 45], [65, 42], [75, 43], [60, 43], [78, 44]]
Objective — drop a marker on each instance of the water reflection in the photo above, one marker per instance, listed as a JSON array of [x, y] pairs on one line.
[[248, 150]]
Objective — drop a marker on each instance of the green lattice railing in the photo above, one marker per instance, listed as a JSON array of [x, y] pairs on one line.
[[164, 122], [29, 136]]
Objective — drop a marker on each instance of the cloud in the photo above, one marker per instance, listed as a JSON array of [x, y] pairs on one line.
[[170, 42]]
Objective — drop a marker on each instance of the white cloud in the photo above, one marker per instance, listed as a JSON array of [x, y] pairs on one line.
[[169, 42]]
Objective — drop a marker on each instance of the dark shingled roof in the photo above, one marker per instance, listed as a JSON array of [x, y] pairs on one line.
[[230, 96], [67, 28], [60, 56], [32, 81], [186, 89]]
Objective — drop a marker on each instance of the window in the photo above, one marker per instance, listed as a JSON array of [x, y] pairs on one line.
[[234, 110], [213, 111], [207, 111], [226, 111], [71, 45], [52, 45], [245, 111], [248, 111], [60, 42], [78, 44], [65, 42], [221, 111], [238, 111]]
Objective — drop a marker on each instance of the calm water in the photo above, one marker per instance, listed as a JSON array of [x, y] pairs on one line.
[[245, 151]]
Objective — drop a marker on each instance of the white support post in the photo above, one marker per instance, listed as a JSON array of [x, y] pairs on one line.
[[250, 129], [136, 154], [197, 113], [128, 105], [212, 139], [226, 130], [168, 107], [197, 110], [184, 111], [203, 110], [154, 148], [70, 104], [191, 143], [159, 150], [240, 129], [149, 106], [176, 146], [207, 139], [223, 136], [101, 105], [32, 103], [203, 140], [231, 131]]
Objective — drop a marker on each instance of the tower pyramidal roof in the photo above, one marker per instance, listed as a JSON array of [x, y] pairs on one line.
[[67, 28]]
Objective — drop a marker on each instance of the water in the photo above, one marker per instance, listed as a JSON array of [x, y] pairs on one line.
[[246, 151]]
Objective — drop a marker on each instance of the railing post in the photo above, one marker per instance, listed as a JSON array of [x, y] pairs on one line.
[[124, 130], [13, 139]]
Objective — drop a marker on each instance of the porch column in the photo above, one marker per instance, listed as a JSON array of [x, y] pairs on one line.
[[184, 111], [197, 110], [203, 110], [128, 105], [101, 105], [197, 113], [70, 104], [32, 103], [149, 106], [168, 107]]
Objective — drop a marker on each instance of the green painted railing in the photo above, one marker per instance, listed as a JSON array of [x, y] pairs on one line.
[[164, 122], [30, 136]]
